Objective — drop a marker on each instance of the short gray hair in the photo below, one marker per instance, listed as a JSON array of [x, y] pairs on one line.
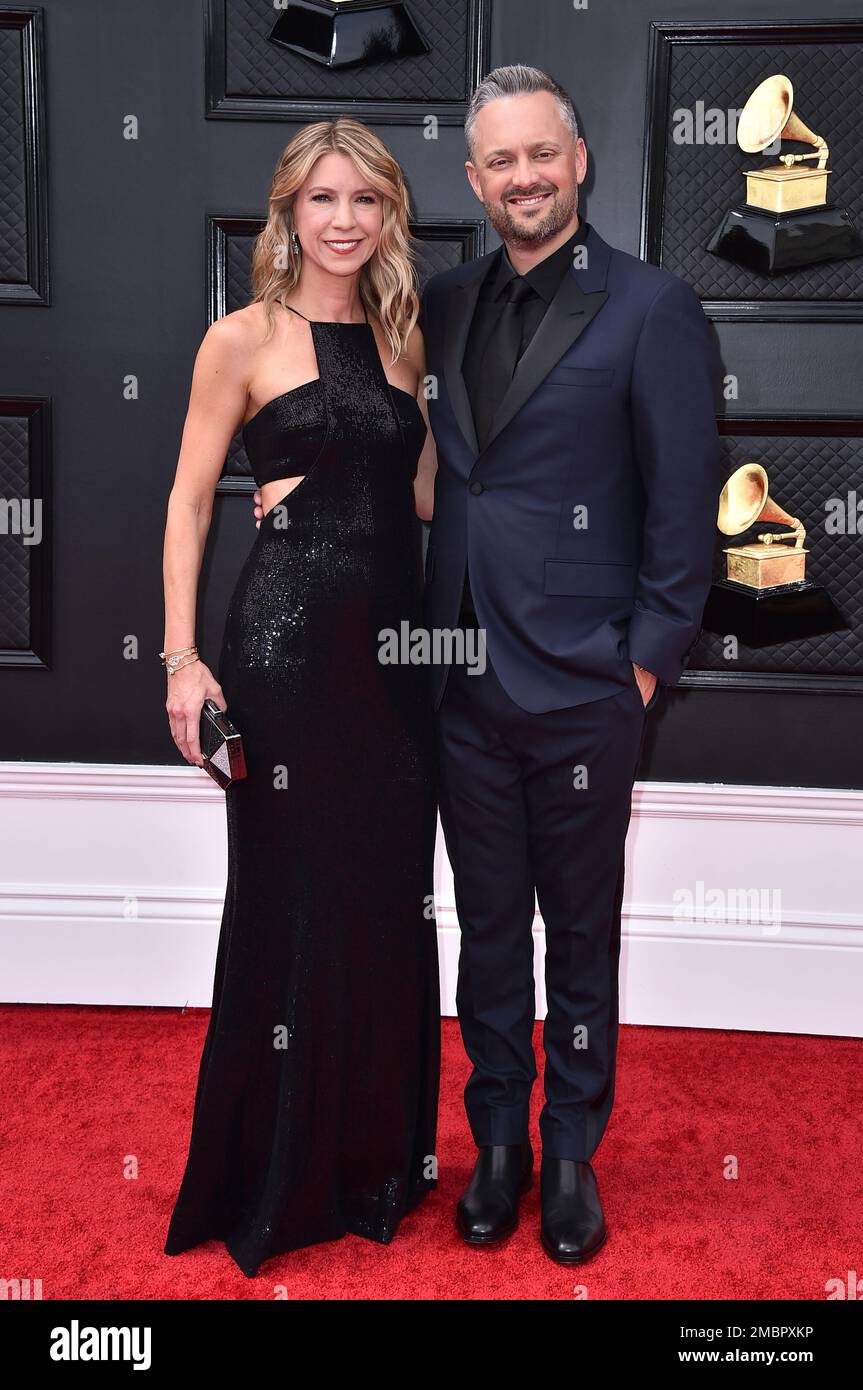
[[515, 81]]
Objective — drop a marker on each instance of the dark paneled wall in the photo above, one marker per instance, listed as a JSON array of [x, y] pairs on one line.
[[128, 228]]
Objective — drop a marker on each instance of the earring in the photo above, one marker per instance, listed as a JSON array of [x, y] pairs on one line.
[[295, 242]]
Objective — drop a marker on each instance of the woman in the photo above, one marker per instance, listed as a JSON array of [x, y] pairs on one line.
[[315, 1110]]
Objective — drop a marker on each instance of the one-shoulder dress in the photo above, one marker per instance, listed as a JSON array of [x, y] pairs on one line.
[[316, 1102]]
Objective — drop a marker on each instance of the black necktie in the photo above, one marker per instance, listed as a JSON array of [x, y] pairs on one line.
[[503, 351]]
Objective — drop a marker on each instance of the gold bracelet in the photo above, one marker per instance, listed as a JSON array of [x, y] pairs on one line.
[[172, 661], [179, 651], [178, 666]]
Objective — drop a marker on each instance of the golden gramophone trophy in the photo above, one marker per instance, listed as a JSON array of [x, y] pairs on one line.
[[786, 221], [346, 33], [765, 596]]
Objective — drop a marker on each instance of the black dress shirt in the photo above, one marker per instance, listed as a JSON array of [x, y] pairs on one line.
[[544, 280]]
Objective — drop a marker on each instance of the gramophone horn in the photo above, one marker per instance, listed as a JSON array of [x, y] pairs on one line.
[[768, 115], [745, 500]]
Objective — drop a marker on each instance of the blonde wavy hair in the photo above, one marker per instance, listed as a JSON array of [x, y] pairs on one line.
[[388, 283]]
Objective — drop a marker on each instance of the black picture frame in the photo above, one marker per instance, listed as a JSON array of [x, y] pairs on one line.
[[36, 463], [664, 35], [30, 189], [221, 104], [785, 426]]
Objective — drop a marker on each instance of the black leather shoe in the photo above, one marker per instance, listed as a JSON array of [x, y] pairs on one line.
[[573, 1225], [487, 1210]]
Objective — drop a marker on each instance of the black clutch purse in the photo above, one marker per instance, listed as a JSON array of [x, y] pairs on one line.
[[221, 746]]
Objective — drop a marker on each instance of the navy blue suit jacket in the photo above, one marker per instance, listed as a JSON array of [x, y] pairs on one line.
[[589, 519]]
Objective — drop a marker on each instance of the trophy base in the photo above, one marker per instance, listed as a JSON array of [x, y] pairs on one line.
[[342, 36], [772, 242], [783, 613]]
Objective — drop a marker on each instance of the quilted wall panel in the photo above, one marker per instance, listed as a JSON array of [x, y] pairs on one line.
[[701, 181], [246, 68], [13, 199], [15, 558], [23, 181], [25, 564], [804, 472]]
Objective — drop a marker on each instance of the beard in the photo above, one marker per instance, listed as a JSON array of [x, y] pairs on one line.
[[555, 217]]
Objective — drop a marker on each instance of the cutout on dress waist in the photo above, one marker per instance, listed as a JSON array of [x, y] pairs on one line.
[[295, 480]]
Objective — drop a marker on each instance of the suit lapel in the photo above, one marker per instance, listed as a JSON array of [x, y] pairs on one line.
[[581, 295], [460, 311]]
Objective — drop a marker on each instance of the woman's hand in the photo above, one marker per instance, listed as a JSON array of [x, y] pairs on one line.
[[188, 688], [258, 509]]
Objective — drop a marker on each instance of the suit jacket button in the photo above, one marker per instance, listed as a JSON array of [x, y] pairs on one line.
[[476, 489]]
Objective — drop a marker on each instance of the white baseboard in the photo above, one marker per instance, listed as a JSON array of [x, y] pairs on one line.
[[743, 905]]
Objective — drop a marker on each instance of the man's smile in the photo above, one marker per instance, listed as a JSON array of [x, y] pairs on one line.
[[529, 200]]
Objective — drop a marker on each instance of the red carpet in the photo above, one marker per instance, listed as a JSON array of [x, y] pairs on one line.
[[89, 1095]]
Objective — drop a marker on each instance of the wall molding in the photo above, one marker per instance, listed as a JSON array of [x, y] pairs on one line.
[[119, 876]]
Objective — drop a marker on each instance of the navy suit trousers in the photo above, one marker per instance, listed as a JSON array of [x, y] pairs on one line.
[[536, 807]]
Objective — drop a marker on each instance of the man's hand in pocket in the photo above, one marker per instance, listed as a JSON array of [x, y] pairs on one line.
[[646, 682]]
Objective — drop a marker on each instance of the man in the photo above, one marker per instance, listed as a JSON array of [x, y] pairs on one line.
[[574, 523]]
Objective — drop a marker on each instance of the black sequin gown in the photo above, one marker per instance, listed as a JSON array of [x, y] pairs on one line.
[[316, 1102]]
